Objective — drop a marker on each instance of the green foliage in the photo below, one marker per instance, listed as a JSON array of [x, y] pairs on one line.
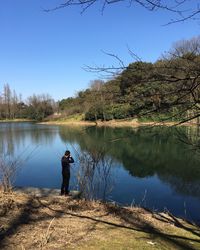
[[165, 90], [65, 102], [117, 111], [168, 89], [38, 113], [94, 113], [121, 111], [140, 89]]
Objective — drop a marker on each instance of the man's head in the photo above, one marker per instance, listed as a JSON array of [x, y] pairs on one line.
[[67, 153]]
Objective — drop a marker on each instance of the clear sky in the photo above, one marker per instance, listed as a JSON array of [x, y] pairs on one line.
[[45, 52]]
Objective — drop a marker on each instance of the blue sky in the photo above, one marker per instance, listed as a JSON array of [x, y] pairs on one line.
[[45, 52]]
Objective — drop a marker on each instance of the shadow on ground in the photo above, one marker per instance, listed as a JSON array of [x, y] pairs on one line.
[[34, 209]]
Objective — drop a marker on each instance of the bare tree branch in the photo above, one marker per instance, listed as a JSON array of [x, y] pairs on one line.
[[180, 8]]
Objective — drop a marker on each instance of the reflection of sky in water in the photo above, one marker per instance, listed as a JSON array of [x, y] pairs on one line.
[[45, 146]]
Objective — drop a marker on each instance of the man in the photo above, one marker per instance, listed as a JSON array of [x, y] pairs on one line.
[[66, 160]]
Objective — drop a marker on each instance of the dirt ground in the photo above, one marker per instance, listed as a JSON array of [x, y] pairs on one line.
[[55, 222]]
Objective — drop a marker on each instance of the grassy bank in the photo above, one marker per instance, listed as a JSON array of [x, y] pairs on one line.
[[78, 120], [113, 123], [53, 222]]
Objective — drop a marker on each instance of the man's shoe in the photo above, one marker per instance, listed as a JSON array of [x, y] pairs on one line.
[[68, 194]]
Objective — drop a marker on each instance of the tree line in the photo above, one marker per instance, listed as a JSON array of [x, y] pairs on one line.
[[36, 107], [167, 89]]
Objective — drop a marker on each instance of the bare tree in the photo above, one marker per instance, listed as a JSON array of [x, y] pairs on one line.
[[183, 62], [94, 174], [14, 105], [1, 106], [175, 77], [10, 166], [183, 9], [7, 100], [8, 170], [40, 106]]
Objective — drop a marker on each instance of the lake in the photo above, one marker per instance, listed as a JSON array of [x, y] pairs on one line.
[[151, 168]]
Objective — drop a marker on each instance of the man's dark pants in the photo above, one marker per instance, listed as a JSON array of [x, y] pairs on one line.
[[65, 182]]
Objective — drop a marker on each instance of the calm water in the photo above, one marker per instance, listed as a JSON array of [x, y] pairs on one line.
[[150, 167]]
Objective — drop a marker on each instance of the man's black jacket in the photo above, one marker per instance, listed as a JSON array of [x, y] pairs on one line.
[[66, 160]]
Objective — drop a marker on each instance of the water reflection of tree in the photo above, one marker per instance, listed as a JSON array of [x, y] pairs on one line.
[[17, 135], [191, 188], [143, 152], [94, 175], [191, 137]]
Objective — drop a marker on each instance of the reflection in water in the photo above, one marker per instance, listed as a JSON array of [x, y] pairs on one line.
[[145, 152], [16, 135], [142, 159], [187, 187], [94, 174]]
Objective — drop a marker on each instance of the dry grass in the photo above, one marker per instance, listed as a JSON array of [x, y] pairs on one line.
[[30, 222], [114, 123]]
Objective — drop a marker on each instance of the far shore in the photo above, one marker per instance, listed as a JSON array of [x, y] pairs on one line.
[[111, 123], [116, 123], [16, 120]]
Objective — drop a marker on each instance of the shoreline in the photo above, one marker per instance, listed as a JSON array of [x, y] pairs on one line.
[[15, 120], [57, 222], [134, 123], [75, 194], [118, 123]]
